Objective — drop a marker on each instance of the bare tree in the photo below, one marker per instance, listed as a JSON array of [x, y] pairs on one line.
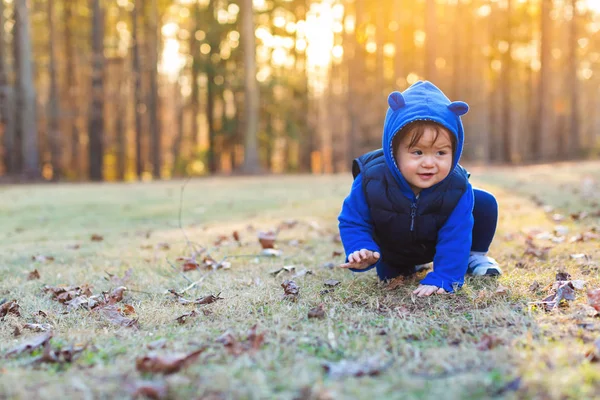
[[542, 138], [573, 84], [251, 164], [505, 78], [153, 106], [137, 78], [95, 118], [54, 133], [6, 102], [26, 121], [72, 88]]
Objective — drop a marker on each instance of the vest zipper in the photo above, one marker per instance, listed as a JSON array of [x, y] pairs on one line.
[[413, 213]]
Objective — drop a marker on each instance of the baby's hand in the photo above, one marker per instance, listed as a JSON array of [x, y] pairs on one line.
[[428, 290], [361, 259]]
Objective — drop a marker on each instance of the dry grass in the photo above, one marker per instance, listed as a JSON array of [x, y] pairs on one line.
[[431, 343]]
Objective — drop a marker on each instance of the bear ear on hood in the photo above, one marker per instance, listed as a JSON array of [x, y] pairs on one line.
[[396, 101], [459, 107]]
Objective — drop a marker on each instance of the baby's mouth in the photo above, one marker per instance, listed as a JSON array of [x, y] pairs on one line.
[[427, 175]]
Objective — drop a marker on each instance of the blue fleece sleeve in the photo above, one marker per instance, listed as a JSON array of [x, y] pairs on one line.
[[453, 246], [356, 224]]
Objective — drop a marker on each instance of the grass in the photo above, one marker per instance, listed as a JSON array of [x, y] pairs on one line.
[[430, 345]]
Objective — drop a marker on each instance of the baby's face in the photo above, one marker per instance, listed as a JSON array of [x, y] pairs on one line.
[[426, 163]]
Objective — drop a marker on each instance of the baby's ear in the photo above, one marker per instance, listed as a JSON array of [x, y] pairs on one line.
[[396, 101], [459, 107]]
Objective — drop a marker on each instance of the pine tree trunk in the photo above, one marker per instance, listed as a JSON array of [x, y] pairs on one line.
[[541, 144], [153, 99], [506, 89], [137, 77], [251, 92], [72, 91], [6, 104], [26, 123], [95, 118], [573, 84], [120, 122], [54, 133]]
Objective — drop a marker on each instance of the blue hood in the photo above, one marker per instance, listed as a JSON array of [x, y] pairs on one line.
[[421, 101]]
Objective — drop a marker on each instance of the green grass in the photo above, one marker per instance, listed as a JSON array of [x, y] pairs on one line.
[[431, 342]]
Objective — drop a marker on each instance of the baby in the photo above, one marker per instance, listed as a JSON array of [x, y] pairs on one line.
[[411, 202]]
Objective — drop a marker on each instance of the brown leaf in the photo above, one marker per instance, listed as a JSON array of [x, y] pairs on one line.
[[251, 344], [96, 238], [150, 390], [115, 279], [66, 293], [536, 251], [116, 295], [501, 289], [208, 299], [563, 276], [183, 318], [267, 239], [344, 368], [336, 253], [111, 314], [222, 239], [317, 312], [166, 364], [30, 345], [291, 290], [395, 283], [331, 283], [593, 297], [63, 355], [128, 309], [33, 275], [10, 307], [488, 342], [236, 236]]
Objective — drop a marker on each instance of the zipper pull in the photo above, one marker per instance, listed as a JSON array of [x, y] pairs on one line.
[[413, 213]]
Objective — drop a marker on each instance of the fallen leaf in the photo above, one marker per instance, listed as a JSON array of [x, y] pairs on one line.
[[488, 342], [62, 355], [96, 238], [118, 281], [30, 345], [395, 283], [183, 318], [331, 283], [128, 309], [10, 307], [111, 314], [302, 273], [501, 290], [166, 364], [291, 290], [317, 312], [536, 251], [44, 259], [287, 268], [336, 253], [267, 239], [534, 286], [563, 276], [593, 297], [116, 295], [33, 275], [344, 368], [208, 299], [251, 344], [149, 389]]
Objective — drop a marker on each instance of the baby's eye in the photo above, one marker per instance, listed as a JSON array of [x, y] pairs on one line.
[[442, 153], [417, 152]]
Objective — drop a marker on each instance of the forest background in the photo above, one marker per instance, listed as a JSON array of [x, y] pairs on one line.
[[153, 89]]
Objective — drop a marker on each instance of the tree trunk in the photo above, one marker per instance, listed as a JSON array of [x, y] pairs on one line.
[[72, 90], [457, 56], [194, 105], [211, 92], [251, 92], [6, 104], [137, 77], [430, 40], [540, 144], [25, 97], [95, 118], [573, 84], [506, 88], [153, 106], [54, 133], [121, 122]]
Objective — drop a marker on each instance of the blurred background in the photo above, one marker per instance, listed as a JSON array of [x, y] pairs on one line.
[[153, 89]]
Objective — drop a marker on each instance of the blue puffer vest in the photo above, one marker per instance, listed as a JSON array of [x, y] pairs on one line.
[[406, 232]]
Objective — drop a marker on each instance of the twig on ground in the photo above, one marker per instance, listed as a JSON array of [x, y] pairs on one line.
[[179, 272]]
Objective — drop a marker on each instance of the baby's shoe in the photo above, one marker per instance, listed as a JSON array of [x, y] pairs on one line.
[[422, 267], [480, 264]]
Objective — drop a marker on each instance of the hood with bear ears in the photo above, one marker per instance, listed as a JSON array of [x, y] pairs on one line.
[[421, 101]]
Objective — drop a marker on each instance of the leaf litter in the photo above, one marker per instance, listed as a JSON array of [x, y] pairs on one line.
[[166, 364]]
